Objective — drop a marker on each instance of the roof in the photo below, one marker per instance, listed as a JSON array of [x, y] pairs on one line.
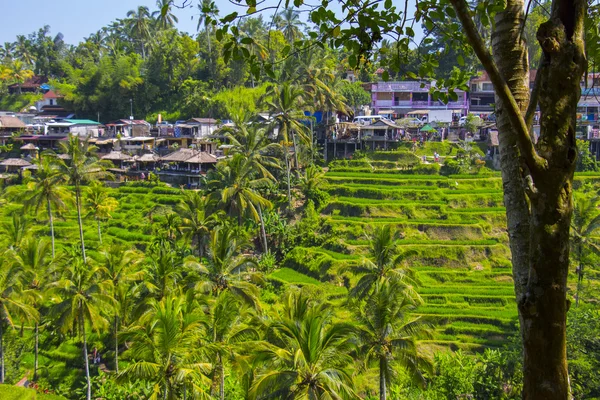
[[179, 155], [117, 156], [202, 158], [148, 157], [15, 162], [51, 95], [29, 146], [33, 82], [210, 121], [82, 122], [494, 138], [11, 122], [125, 122]]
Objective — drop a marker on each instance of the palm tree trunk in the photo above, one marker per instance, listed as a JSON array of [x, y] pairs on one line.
[[295, 150], [262, 229], [1, 353], [287, 170], [85, 358], [382, 388], [78, 200], [99, 230], [221, 379], [117, 344], [36, 351], [51, 225]]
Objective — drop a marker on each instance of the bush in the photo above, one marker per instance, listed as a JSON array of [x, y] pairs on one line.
[[427, 169]]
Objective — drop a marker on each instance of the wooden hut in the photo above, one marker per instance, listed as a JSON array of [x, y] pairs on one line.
[[14, 164]]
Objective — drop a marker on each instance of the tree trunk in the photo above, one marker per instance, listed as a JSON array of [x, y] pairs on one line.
[[262, 230], [78, 200], [295, 150], [51, 226], [287, 170], [36, 351], [117, 344], [382, 387], [221, 379], [1, 352], [539, 232], [85, 358], [579, 274], [99, 230]]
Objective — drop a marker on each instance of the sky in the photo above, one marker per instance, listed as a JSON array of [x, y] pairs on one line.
[[77, 19]]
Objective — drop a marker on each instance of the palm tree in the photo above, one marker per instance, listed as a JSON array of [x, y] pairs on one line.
[[83, 166], [45, 190], [15, 231], [585, 225], [100, 204], [196, 221], [122, 268], [285, 104], [163, 270], [12, 302], [83, 299], [226, 330], [165, 352], [388, 335], [288, 21], [306, 354], [234, 188], [139, 26], [208, 13], [226, 269], [164, 17], [23, 50], [20, 73], [385, 264], [34, 263], [311, 182]]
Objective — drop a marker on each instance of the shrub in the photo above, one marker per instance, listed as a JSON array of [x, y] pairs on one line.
[[427, 169]]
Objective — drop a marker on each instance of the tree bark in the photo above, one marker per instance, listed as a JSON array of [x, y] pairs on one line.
[[262, 230], [51, 226], [117, 344], [221, 379], [36, 351], [287, 170], [85, 358], [99, 230], [382, 386], [78, 199], [537, 178]]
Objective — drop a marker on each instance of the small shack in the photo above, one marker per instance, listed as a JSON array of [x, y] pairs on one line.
[[14, 164]]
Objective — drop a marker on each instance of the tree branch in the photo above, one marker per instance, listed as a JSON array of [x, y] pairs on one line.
[[535, 96], [528, 152]]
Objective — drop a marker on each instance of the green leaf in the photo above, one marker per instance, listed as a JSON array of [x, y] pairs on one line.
[[385, 76], [460, 60], [230, 17], [429, 24], [352, 61], [247, 40]]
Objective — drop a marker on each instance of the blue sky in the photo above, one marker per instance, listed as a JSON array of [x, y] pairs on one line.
[[77, 19]]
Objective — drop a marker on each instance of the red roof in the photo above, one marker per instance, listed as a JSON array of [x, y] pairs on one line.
[[33, 82], [51, 95]]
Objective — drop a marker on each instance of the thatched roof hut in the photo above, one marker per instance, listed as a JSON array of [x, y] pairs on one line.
[[148, 158], [180, 155], [202, 158], [29, 146], [11, 123], [15, 162], [117, 156]]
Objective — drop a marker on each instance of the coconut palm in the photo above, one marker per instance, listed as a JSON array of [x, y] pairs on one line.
[[164, 17], [83, 166], [165, 352], [585, 225], [288, 21], [234, 188], [226, 330], [13, 303], [20, 73], [138, 26], [388, 335], [14, 231], [311, 182], [100, 204], [384, 264], [196, 221], [163, 270], [226, 269], [208, 13], [122, 269], [45, 189], [34, 262], [23, 51], [83, 294], [306, 356]]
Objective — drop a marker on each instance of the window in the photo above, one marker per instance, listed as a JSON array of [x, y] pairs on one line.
[[473, 87], [51, 102], [488, 86]]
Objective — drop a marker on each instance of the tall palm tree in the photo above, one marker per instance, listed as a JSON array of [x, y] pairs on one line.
[[163, 271], [311, 182], [388, 335], [164, 17], [23, 50], [45, 190], [385, 264], [585, 225], [208, 13], [12, 302], [100, 204], [15, 230], [83, 166], [83, 294], [196, 221], [139, 26], [288, 21], [122, 268], [34, 262], [307, 354], [165, 352], [226, 269], [20, 73], [285, 103]]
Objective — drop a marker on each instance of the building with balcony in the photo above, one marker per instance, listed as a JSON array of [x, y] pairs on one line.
[[400, 98]]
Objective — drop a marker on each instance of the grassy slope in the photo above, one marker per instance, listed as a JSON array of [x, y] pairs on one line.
[[9, 392]]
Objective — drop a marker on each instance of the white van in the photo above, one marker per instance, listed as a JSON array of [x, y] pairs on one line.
[[367, 119]]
